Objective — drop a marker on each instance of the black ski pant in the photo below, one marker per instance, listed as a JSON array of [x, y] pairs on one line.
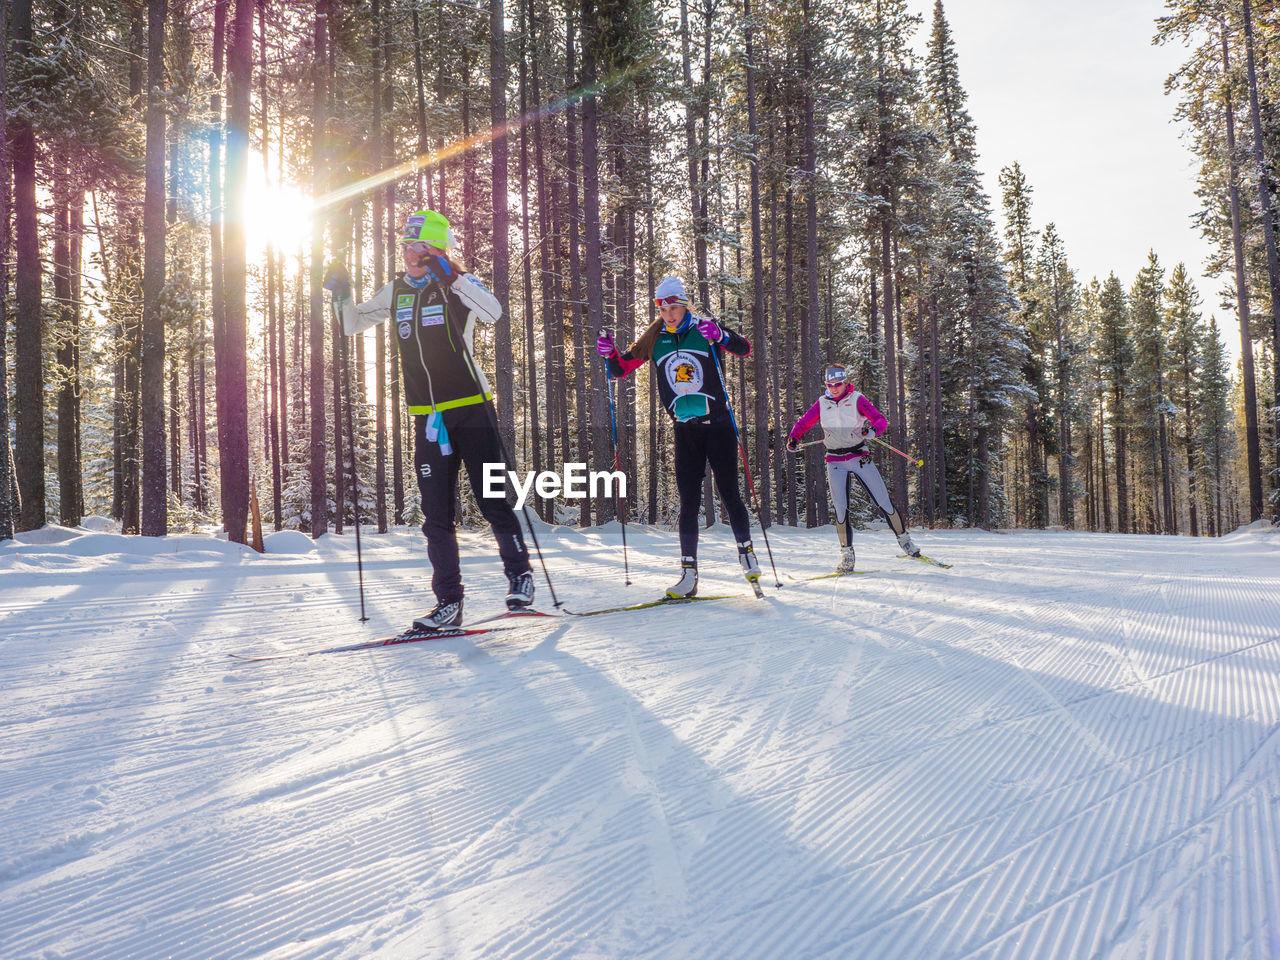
[[473, 440], [698, 445]]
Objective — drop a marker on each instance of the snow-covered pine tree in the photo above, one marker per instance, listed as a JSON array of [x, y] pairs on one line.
[[1019, 254], [1146, 299], [1056, 321], [1186, 334], [1114, 349]]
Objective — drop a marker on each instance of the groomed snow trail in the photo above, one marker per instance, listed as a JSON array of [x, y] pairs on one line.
[[1066, 746]]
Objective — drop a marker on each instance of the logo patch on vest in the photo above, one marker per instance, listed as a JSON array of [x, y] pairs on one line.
[[684, 372], [406, 330], [404, 312], [433, 315]]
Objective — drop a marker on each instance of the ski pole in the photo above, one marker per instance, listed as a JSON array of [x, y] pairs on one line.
[[810, 443], [751, 486], [907, 456], [351, 445], [613, 422]]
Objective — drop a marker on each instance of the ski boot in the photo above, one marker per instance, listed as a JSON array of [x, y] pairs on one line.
[[846, 560], [688, 584], [445, 615], [908, 545], [750, 565], [520, 592]]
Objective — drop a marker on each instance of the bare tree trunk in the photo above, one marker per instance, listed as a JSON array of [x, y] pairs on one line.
[[809, 330], [942, 508], [530, 405], [1268, 223], [29, 334], [319, 114], [7, 500], [503, 356], [581, 334], [1252, 452], [70, 499], [217, 301], [155, 503], [600, 431], [760, 343], [697, 196], [234, 446], [382, 350]]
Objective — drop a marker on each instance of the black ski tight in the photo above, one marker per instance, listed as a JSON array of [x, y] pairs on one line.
[[698, 445]]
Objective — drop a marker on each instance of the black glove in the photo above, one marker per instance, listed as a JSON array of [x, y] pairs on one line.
[[338, 282], [438, 268], [793, 444]]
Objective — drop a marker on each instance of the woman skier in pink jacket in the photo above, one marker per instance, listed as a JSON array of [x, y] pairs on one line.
[[848, 419]]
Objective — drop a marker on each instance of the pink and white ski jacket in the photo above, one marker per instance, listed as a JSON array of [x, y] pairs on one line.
[[842, 422]]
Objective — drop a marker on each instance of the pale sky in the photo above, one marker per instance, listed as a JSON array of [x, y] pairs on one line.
[[1075, 93]]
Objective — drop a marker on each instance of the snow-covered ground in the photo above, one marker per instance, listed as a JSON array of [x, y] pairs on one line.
[[1068, 745]]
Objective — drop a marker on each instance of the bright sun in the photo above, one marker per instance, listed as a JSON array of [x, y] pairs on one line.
[[278, 214]]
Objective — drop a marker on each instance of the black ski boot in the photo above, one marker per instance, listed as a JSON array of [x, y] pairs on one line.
[[520, 592], [444, 616]]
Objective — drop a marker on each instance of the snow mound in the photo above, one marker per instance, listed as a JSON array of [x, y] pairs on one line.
[[49, 533], [288, 541]]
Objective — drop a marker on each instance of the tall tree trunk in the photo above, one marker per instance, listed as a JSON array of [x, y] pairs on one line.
[[1166, 482], [942, 507], [581, 333], [809, 337], [1102, 467], [697, 195], [155, 493], [600, 431], [760, 341], [29, 334], [530, 404], [234, 446], [552, 321], [319, 159], [70, 506], [7, 501], [503, 357], [380, 258], [217, 301], [1252, 452], [1268, 227], [789, 341]]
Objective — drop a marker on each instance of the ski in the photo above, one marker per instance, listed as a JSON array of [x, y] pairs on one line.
[[923, 559], [755, 586], [523, 614], [829, 576], [412, 635], [664, 602]]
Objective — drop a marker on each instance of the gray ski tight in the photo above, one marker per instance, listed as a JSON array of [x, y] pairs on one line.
[[838, 473]]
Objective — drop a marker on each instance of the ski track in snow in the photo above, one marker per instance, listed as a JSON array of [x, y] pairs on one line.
[[1067, 745]]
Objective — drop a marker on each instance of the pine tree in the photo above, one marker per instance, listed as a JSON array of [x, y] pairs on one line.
[[1213, 434], [1115, 360], [1185, 331], [1149, 405]]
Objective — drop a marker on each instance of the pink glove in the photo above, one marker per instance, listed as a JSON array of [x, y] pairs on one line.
[[604, 346], [711, 330]]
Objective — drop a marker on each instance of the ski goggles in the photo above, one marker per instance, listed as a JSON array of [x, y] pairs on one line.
[[670, 301], [836, 375]]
